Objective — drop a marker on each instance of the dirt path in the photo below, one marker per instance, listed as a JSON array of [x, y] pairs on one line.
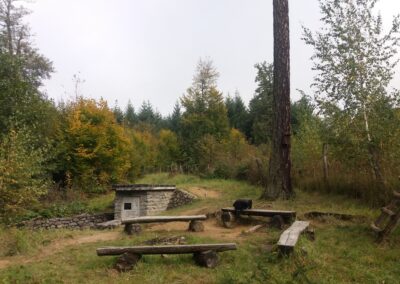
[[58, 246], [211, 229]]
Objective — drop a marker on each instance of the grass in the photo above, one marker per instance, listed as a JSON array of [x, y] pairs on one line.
[[343, 252], [25, 242]]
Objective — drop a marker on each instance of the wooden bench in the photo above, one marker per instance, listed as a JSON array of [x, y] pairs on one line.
[[289, 237], [203, 254], [195, 224], [279, 217]]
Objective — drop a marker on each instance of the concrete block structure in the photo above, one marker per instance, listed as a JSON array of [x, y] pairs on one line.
[[135, 200]]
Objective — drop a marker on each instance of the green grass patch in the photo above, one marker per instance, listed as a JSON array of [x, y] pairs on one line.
[[343, 252]]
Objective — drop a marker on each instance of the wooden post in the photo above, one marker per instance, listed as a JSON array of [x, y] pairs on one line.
[[207, 259], [277, 221], [228, 219], [132, 229], [196, 226], [127, 261]]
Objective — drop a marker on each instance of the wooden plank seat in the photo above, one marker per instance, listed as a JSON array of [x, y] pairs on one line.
[[195, 224], [289, 237], [279, 217], [203, 254]]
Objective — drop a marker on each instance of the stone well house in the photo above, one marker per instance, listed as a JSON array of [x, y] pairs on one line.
[[135, 200]]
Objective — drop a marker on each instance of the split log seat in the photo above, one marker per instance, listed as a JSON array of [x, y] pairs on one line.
[[289, 237], [195, 224], [279, 217], [203, 254]]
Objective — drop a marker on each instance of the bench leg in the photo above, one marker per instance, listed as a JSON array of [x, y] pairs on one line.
[[132, 229], [228, 219], [196, 226], [209, 259], [277, 221], [127, 261]]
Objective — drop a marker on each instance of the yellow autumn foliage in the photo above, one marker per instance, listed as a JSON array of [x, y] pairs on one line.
[[99, 148]]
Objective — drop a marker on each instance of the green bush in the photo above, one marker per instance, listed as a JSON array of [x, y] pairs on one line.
[[22, 174]]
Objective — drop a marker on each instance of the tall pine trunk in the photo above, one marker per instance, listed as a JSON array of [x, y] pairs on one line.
[[279, 178]]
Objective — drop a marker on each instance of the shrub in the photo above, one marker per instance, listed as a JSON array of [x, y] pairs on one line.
[[22, 175]]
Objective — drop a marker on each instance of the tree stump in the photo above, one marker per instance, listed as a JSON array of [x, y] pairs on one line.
[[127, 261], [277, 221], [196, 226], [132, 229], [207, 259], [228, 219]]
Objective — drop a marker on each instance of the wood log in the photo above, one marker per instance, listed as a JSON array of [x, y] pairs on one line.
[[127, 261], [228, 219], [108, 224], [169, 249], [277, 221], [339, 216], [196, 226], [287, 215], [391, 225], [132, 229], [289, 237], [207, 259], [163, 219], [254, 229]]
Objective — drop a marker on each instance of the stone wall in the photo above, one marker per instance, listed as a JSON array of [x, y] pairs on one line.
[[180, 198], [76, 222], [157, 201], [154, 202]]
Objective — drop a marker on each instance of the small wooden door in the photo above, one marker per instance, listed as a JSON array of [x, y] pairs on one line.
[[130, 208]]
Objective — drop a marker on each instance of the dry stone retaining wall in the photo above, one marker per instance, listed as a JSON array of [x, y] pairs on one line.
[[179, 198], [76, 222], [156, 203]]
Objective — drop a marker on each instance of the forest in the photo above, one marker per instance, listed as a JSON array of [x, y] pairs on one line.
[[345, 136], [73, 172]]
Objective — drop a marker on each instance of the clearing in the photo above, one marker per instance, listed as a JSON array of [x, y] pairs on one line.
[[344, 251]]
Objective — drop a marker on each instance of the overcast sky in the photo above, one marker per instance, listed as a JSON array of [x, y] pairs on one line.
[[148, 49]]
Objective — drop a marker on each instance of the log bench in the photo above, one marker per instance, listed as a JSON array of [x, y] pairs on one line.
[[203, 254], [195, 225], [289, 237], [279, 217]]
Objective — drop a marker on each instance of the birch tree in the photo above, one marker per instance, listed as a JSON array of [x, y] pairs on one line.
[[354, 60]]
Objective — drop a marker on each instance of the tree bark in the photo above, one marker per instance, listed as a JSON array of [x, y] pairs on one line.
[[196, 226], [279, 177], [207, 259], [127, 261], [374, 161], [166, 249], [163, 219]]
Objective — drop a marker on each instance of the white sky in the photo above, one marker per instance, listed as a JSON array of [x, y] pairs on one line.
[[148, 49]]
